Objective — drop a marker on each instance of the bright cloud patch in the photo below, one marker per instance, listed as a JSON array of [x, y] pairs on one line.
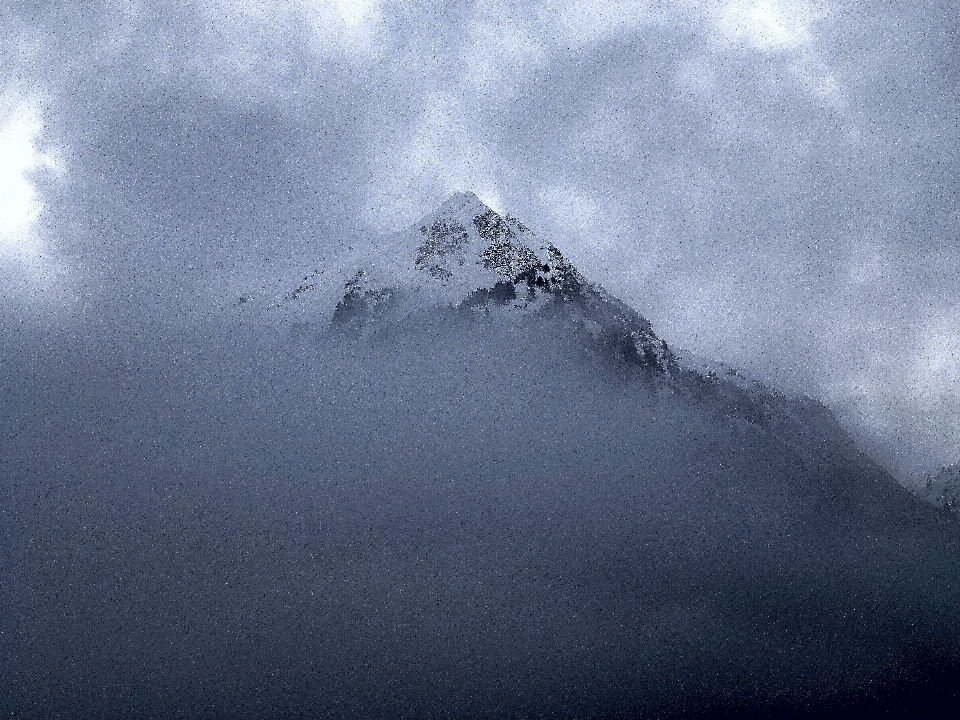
[[255, 43], [764, 24], [19, 205], [353, 12], [439, 155]]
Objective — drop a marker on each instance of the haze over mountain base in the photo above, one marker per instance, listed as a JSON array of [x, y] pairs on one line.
[[451, 515]]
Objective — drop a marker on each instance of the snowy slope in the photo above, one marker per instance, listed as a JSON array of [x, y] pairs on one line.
[[461, 247]]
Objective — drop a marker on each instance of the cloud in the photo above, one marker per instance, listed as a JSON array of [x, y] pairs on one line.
[[767, 25], [35, 282], [267, 45], [937, 365], [501, 48], [579, 24], [770, 182], [441, 153], [19, 158]]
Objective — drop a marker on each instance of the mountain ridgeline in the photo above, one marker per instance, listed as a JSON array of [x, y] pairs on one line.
[[486, 488]]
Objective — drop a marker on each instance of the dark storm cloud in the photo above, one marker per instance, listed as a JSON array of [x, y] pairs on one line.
[[772, 183]]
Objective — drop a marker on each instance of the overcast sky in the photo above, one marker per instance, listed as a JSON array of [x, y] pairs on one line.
[[772, 183]]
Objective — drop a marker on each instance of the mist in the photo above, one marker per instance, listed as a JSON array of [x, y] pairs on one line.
[[453, 514]]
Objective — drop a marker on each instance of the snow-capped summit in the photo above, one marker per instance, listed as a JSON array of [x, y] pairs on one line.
[[467, 256], [461, 247]]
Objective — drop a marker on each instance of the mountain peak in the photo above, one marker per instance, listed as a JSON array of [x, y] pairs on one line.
[[464, 245], [462, 201], [466, 256], [461, 208]]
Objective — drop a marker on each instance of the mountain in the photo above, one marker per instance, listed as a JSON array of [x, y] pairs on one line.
[[464, 260], [484, 488], [675, 494]]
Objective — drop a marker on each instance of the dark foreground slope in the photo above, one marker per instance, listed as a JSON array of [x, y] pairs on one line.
[[451, 516]]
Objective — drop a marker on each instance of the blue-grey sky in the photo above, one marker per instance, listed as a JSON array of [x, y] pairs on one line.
[[772, 183]]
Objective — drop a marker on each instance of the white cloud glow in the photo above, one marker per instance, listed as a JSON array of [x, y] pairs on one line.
[[19, 156]]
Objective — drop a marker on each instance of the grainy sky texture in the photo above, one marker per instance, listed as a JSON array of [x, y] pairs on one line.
[[772, 183]]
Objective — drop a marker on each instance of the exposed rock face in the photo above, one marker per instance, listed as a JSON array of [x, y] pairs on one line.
[[361, 304]]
